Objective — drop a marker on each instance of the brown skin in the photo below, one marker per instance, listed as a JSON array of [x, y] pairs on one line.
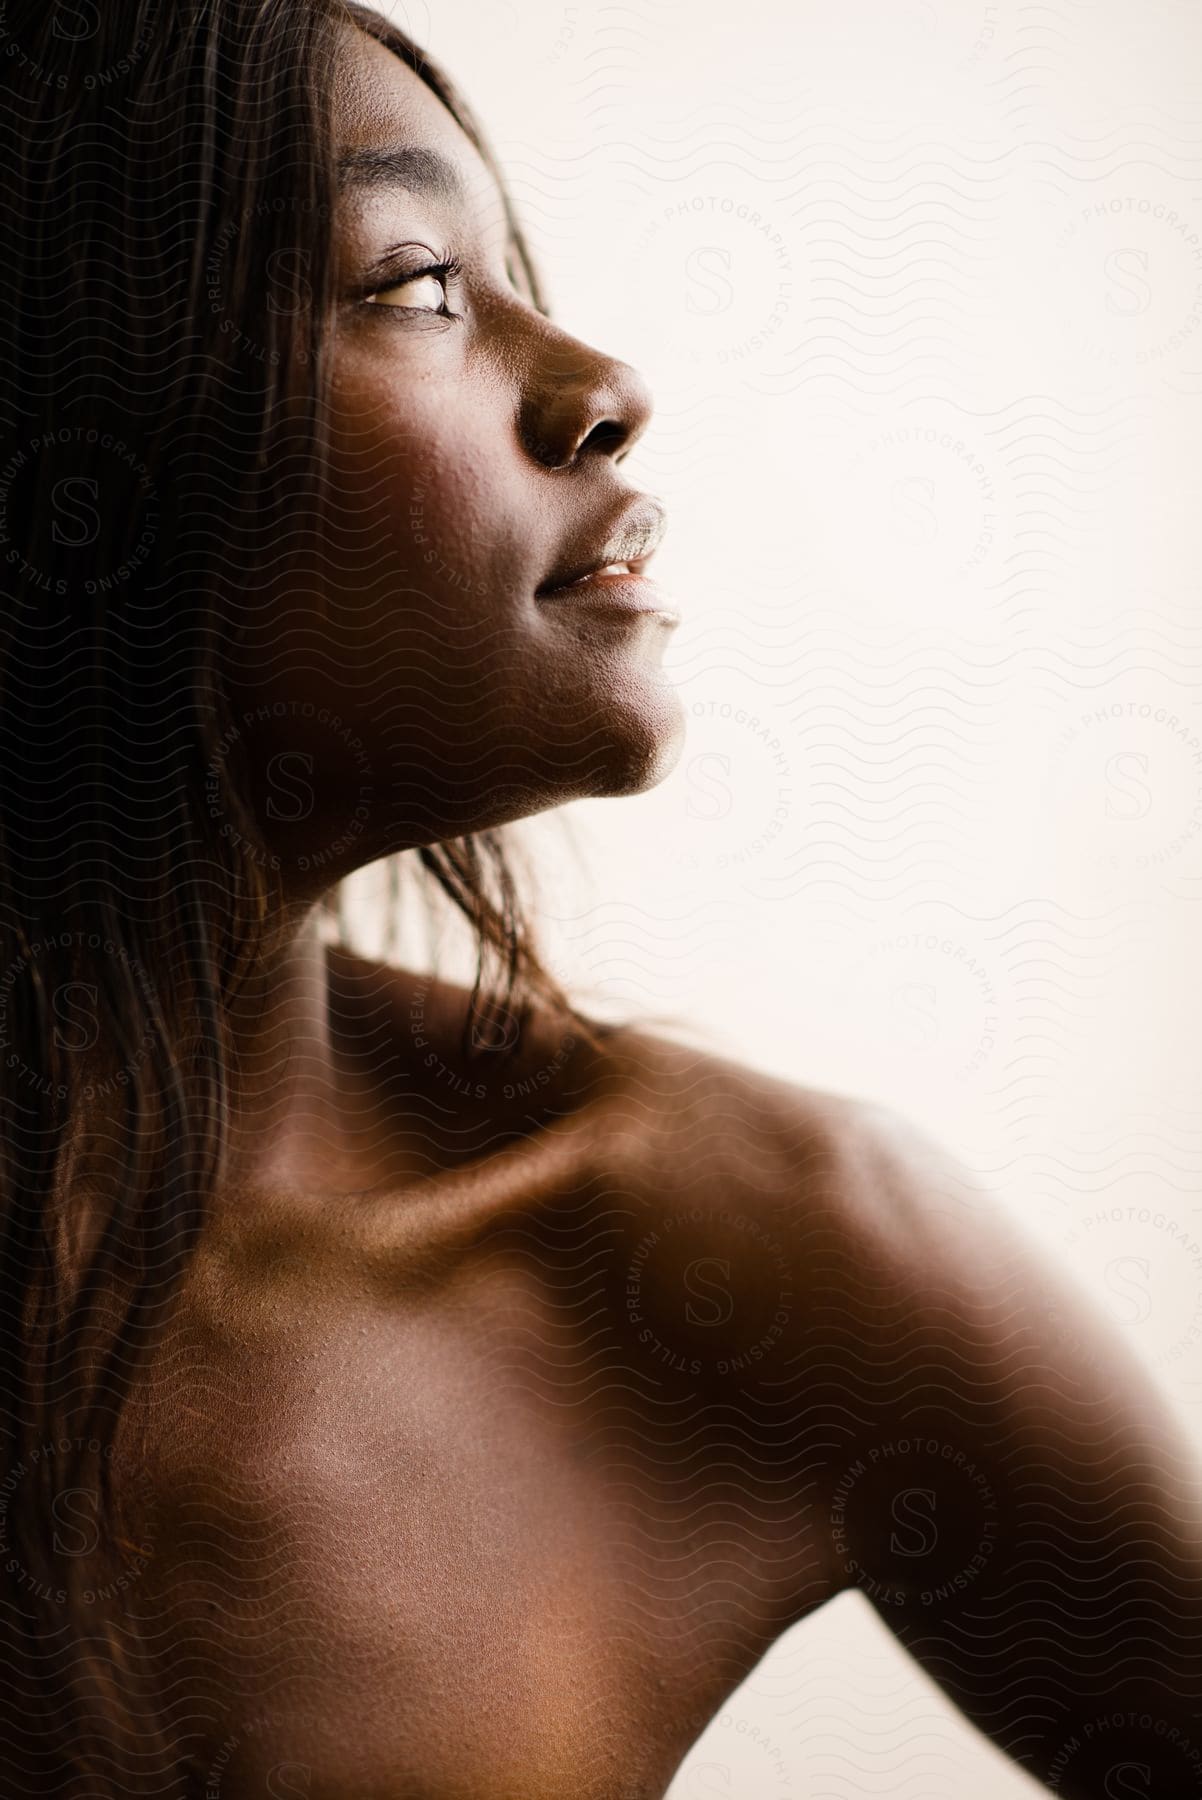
[[472, 455], [512, 1411]]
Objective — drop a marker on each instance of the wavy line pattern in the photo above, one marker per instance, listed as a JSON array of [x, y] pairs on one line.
[[549, 1457], [935, 834]]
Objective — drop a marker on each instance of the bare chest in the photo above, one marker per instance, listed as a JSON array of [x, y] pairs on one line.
[[428, 1559]]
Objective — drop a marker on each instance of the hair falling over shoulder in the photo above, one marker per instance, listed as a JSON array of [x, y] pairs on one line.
[[162, 440]]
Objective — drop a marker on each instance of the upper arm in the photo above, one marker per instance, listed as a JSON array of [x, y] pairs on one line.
[[1010, 1490], [881, 1384]]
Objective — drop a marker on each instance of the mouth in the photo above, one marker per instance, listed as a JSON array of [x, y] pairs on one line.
[[615, 590], [607, 569], [615, 576]]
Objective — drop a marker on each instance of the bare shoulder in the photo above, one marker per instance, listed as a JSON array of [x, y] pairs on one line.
[[708, 1127], [889, 1248], [754, 1221], [656, 1127]]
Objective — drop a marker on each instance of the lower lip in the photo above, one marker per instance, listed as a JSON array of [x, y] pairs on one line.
[[616, 593]]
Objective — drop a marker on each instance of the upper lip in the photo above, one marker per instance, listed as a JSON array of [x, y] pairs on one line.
[[633, 541]]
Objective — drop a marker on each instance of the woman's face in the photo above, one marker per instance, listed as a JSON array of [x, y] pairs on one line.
[[418, 676]]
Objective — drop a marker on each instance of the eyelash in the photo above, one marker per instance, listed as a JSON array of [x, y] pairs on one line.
[[449, 269]]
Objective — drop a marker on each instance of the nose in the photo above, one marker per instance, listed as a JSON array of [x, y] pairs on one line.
[[579, 403]]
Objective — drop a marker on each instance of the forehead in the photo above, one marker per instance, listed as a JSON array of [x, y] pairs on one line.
[[396, 137]]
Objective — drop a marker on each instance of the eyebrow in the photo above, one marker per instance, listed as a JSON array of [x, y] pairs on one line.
[[404, 165]]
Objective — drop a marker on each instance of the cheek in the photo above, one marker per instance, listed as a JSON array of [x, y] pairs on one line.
[[425, 494]]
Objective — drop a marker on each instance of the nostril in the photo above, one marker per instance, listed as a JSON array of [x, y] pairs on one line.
[[606, 436]]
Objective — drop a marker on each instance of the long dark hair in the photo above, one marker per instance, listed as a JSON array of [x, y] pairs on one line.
[[161, 427]]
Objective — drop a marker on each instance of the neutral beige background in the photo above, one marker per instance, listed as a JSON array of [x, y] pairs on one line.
[[918, 286]]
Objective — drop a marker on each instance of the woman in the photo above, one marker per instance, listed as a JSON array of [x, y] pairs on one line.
[[410, 1391]]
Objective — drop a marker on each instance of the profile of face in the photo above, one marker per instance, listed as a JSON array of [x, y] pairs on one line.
[[432, 676]]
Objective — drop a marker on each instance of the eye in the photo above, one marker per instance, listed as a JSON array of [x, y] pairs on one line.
[[424, 290], [423, 293]]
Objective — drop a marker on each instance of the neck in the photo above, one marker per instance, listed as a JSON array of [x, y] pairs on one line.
[[289, 1096]]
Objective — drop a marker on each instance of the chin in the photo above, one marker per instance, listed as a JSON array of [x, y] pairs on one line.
[[644, 738]]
